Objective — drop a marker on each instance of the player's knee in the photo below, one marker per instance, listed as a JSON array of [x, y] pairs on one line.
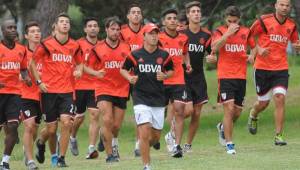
[[108, 120], [263, 105], [51, 130], [67, 123], [279, 97], [12, 130]]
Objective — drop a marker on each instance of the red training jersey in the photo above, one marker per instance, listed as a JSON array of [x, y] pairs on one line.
[[274, 36], [134, 39], [32, 92], [86, 82], [12, 61], [177, 49], [232, 62], [111, 60], [58, 63]]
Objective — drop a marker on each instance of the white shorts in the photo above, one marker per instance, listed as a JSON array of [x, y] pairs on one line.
[[268, 96], [153, 115]]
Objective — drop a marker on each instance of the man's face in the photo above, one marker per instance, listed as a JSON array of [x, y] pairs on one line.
[[151, 38], [9, 30], [63, 25], [232, 20], [34, 34], [113, 32], [194, 14], [170, 21], [283, 7], [92, 29], [135, 15]]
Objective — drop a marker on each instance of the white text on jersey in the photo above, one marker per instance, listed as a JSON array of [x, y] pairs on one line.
[[278, 38], [149, 68], [10, 65], [174, 51], [196, 48], [113, 64], [62, 58], [234, 48]]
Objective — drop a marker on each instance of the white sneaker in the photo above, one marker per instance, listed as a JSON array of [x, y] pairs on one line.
[[230, 149], [222, 140], [170, 141]]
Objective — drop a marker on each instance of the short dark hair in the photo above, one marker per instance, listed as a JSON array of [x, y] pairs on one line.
[[233, 11], [182, 16], [88, 19], [112, 20], [191, 4], [30, 24], [169, 11], [63, 14], [133, 5]]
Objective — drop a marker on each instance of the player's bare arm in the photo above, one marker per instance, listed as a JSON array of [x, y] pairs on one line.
[[36, 75], [160, 76], [233, 28], [131, 78], [96, 73]]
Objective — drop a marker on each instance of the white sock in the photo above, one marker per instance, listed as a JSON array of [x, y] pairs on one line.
[[5, 158], [54, 155], [222, 126], [91, 148], [137, 144], [229, 142], [115, 142], [72, 139], [30, 161], [147, 166]]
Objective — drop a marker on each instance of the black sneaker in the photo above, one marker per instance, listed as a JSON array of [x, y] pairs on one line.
[[61, 162], [177, 152], [4, 166], [115, 151], [156, 146], [137, 153], [101, 145], [111, 158], [40, 155]]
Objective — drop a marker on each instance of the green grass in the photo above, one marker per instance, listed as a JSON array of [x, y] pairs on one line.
[[253, 152]]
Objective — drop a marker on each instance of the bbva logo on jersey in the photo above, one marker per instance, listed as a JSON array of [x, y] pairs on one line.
[[62, 58], [113, 64], [174, 51], [235, 48], [149, 68], [10, 65], [196, 48], [278, 38]]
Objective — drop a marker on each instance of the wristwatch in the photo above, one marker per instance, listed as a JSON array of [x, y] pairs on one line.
[[38, 82]]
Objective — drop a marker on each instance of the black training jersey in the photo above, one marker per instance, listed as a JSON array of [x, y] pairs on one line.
[[198, 44], [148, 90]]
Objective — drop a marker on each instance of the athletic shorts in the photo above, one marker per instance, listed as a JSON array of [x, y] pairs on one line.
[[31, 109], [120, 102], [10, 107], [56, 104], [268, 83], [176, 93], [85, 99], [197, 90], [232, 90], [147, 114]]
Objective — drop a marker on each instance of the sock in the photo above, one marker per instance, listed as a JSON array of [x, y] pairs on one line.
[[5, 158], [53, 155], [222, 126], [229, 142], [72, 139], [30, 161], [137, 144], [115, 142], [91, 148], [147, 166]]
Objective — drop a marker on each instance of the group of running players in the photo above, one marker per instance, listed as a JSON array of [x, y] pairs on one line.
[[61, 79]]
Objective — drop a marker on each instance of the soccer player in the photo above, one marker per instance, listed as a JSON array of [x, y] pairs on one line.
[[59, 54], [182, 21], [151, 66], [175, 44], [273, 31], [231, 40], [132, 35], [85, 92], [13, 62], [112, 90], [31, 110], [198, 43]]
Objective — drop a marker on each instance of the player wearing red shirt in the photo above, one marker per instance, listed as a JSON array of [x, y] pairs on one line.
[[176, 45], [13, 62], [112, 90], [273, 32], [231, 40], [85, 93], [132, 34], [31, 110], [58, 54]]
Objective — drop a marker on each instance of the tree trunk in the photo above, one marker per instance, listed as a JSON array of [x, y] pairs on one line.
[[45, 13]]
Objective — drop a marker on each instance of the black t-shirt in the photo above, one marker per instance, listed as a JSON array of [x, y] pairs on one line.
[[148, 90], [198, 44]]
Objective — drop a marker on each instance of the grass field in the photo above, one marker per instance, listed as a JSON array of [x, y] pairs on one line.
[[253, 152]]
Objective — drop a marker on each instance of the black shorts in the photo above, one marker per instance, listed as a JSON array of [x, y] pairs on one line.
[[266, 80], [31, 109], [10, 107], [84, 99], [197, 89], [120, 102], [55, 104], [176, 93], [232, 89]]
